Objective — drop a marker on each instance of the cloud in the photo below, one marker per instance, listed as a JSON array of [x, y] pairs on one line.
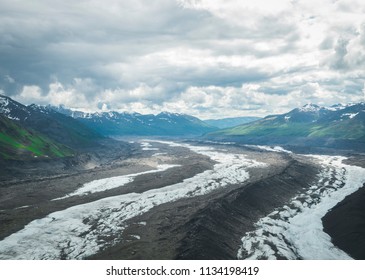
[[32, 94], [57, 94], [201, 57], [9, 79], [340, 53]]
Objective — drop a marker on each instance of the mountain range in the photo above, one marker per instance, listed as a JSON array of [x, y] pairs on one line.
[[119, 124], [50, 131], [34, 131], [311, 123]]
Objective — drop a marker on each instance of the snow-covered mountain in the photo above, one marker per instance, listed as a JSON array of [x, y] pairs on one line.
[[311, 113], [54, 120], [12, 109], [52, 124], [317, 114], [121, 123]]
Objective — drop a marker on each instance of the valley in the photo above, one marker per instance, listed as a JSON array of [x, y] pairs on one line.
[[118, 185], [182, 130], [197, 200]]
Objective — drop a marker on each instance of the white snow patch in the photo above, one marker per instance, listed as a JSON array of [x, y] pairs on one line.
[[159, 154], [336, 107], [4, 102], [22, 207], [83, 230], [148, 147], [309, 108], [13, 118], [136, 236], [113, 182], [277, 149], [219, 143], [350, 115]]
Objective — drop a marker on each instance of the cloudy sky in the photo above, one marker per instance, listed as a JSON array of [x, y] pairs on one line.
[[208, 58]]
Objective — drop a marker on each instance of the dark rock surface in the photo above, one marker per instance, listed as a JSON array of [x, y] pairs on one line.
[[229, 217], [345, 223]]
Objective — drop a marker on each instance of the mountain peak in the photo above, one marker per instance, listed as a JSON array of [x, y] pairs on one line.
[[166, 113], [12, 109], [337, 107], [3, 101], [310, 107]]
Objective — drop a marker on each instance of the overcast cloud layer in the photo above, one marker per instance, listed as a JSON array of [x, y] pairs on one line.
[[208, 58]]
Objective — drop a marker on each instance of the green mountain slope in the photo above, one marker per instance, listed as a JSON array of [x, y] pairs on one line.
[[17, 142], [347, 123], [58, 127], [61, 128], [230, 122]]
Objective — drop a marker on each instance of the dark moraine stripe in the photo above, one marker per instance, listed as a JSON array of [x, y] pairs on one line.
[[216, 231]]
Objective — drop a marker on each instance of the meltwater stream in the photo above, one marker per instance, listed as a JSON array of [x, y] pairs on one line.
[[82, 230]]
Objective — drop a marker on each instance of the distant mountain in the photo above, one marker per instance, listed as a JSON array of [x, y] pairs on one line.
[[20, 143], [230, 122], [120, 124], [63, 129], [310, 122]]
